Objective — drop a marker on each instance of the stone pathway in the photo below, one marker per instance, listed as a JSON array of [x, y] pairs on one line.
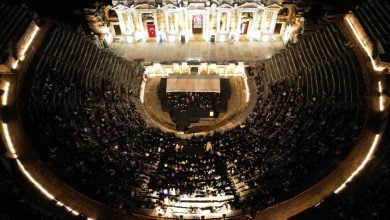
[[197, 51]]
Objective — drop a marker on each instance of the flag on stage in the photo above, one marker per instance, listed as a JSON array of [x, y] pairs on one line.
[[151, 30]]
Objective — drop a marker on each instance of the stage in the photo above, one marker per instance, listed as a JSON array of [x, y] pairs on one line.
[[210, 89], [237, 108]]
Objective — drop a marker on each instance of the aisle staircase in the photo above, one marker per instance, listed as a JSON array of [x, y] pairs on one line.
[[208, 200]]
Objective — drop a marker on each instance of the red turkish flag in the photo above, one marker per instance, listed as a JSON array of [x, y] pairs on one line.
[[151, 30]]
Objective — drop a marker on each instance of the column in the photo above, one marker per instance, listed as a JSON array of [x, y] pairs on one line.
[[229, 17], [273, 21], [134, 19], [253, 26], [168, 26], [188, 25], [156, 25], [176, 16], [218, 20], [122, 24], [238, 25], [166, 19], [263, 21], [137, 21], [206, 25], [130, 21], [140, 23], [184, 30]]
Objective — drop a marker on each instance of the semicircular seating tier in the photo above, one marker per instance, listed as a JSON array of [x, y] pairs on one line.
[[78, 100]]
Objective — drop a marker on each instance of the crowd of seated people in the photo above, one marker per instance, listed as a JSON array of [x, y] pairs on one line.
[[101, 151], [182, 101], [77, 71], [199, 173], [97, 142], [268, 145], [323, 64], [272, 155], [182, 178]]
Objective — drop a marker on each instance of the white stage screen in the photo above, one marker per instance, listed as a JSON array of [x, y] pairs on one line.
[[193, 85]]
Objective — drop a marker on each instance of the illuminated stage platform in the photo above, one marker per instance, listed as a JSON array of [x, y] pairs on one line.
[[214, 89], [156, 77]]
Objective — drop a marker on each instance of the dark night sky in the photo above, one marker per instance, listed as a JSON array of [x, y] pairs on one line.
[[69, 11], [63, 10]]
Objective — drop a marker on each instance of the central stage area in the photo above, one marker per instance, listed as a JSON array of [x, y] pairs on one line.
[[192, 98], [199, 51], [236, 105]]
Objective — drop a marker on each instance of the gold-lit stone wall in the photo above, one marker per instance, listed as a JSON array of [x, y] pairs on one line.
[[162, 26], [136, 21], [233, 20], [182, 23], [261, 23], [213, 22]]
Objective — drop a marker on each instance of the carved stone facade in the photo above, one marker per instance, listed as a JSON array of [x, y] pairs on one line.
[[194, 20]]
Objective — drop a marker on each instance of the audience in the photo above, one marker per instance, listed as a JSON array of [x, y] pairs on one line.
[[80, 117], [182, 101], [87, 130]]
